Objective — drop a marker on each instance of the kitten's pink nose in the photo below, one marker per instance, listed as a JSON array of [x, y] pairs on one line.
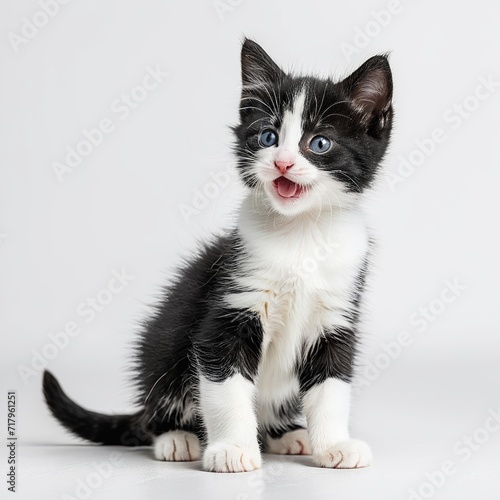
[[283, 165]]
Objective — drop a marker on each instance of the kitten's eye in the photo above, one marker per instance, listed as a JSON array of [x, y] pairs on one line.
[[320, 144], [268, 138]]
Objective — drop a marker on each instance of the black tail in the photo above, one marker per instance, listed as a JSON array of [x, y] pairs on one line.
[[96, 427]]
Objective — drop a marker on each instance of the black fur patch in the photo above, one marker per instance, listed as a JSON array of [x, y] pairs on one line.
[[286, 417], [231, 343], [331, 356]]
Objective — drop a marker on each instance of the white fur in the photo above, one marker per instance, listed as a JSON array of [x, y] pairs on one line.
[[292, 443], [327, 409], [300, 277], [348, 454], [229, 416], [291, 129], [177, 446], [326, 406]]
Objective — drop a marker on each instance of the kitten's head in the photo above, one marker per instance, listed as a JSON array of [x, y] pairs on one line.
[[308, 144]]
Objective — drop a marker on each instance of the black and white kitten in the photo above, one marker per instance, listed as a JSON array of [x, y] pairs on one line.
[[253, 345]]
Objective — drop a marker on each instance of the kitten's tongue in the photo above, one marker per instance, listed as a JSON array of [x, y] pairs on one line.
[[286, 188]]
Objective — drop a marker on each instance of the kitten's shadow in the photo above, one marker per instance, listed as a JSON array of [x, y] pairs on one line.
[[271, 461], [147, 453], [274, 459]]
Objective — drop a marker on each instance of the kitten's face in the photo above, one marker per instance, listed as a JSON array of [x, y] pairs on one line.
[[305, 144]]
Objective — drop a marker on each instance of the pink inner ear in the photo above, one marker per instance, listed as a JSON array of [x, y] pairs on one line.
[[371, 94]]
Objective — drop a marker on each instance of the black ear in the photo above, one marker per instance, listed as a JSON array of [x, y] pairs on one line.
[[370, 92], [256, 66]]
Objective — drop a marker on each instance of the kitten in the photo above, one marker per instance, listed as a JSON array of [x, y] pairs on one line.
[[255, 340]]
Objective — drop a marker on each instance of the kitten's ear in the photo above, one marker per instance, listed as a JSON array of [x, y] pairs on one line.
[[370, 92], [256, 66]]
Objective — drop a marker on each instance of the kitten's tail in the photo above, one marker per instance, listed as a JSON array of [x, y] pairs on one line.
[[104, 429]]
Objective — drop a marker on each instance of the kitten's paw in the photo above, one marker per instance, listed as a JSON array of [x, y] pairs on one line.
[[292, 443], [349, 454], [226, 457], [177, 446]]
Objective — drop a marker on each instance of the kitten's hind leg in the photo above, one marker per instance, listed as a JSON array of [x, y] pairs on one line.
[[295, 442], [173, 427], [177, 446], [282, 425]]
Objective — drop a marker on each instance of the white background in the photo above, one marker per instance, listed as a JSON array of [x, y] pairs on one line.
[[121, 207]]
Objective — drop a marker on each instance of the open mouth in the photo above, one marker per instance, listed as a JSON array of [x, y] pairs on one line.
[[285, 188]]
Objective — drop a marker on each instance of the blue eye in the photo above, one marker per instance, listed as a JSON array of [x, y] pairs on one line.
[[320, 144], [268, 138]]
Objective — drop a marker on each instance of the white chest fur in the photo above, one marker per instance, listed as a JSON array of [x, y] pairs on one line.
[[299, 275]]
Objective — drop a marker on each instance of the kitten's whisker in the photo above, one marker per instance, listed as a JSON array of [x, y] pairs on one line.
[[262, 102], [335, 114], [349, 177], [258, 109], [255, 121], [154, 385], [323, 98], [329, 107], [273, 103]]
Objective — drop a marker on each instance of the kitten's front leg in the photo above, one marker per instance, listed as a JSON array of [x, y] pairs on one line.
[[231, 425], [325, 387], [228, 358]]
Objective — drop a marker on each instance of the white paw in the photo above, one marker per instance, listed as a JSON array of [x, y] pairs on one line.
[[226, 457], [177, 446], [292, 443], [349, 454]]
